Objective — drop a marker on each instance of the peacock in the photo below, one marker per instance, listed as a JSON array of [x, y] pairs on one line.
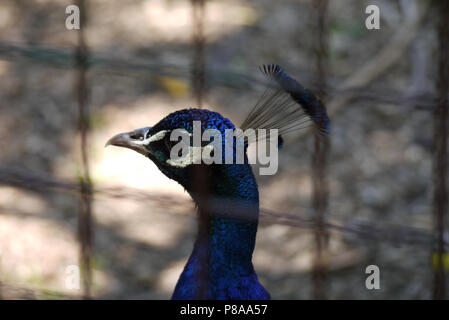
[[226, 195]]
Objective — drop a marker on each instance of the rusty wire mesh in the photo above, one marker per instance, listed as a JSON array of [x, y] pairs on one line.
[[441, 119]]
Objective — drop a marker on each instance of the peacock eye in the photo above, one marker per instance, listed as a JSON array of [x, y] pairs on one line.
[[137, 136], [168, 143]]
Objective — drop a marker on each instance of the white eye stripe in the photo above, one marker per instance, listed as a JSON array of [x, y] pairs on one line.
[[155, 137], [194, 155]]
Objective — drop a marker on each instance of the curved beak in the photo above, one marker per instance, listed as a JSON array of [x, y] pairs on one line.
[[131, 140]]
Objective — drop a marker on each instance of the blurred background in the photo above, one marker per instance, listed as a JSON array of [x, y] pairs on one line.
[[66, 200]]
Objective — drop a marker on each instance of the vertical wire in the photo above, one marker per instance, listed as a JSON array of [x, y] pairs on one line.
[[319, 166], [441, 118], [198, 63], [85, 231], [201, 183]]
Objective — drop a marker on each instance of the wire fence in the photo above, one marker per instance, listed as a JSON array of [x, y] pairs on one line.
[[319, 163], [441, 119], [360, 230], [317, 221], [85, 227]]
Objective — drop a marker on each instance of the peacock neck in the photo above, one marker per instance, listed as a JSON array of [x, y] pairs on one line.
[[227, 245], [227, 227], [222, 255], [228, 219]]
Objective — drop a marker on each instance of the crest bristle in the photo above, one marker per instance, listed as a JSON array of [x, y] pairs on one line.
[[286, 105]]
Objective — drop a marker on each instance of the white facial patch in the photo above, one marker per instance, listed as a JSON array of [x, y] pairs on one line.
[[155, 137], [193, 156]]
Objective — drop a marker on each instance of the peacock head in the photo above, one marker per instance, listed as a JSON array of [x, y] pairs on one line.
[[157, 143], [284, 107]]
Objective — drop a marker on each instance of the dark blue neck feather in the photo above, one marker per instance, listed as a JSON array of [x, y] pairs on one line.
[[220, 266]]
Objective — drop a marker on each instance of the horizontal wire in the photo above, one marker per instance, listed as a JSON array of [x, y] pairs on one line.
[[396, 235], [215, 75]]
